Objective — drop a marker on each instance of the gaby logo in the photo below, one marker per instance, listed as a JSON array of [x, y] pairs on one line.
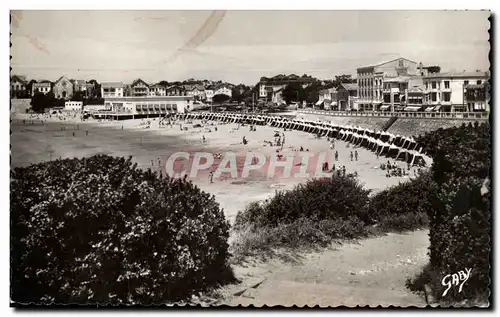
[[455, 279], [250, 165]]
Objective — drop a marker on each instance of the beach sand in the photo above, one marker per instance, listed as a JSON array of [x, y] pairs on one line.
[[32, 143]]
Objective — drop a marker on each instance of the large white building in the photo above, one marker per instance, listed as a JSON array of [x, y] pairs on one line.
[[446, 91], [112, 90], [151, 105], [371, 80]]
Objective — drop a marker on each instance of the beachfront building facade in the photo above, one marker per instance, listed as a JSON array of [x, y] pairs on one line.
[[149, 106], [477, 97], [446, 91], [112, 90], [63, 88], [18, 87], [43, 87], [371, 80], [347, 97], [139, 88], [327, 98]]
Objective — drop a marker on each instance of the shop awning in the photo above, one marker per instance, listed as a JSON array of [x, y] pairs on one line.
[[333, 103], [429, 108], [319, 102], [399, 108], [412, 108], [384, 107], [437, 108]]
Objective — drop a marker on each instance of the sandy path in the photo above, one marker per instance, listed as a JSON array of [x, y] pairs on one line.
[[367, 272]]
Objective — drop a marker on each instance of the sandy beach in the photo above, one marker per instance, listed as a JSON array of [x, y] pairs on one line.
[[52, 139]]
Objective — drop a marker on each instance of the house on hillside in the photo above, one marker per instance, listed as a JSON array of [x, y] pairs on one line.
[[196, 91], [82, 86], [157, 90], [18, 87], [139, 88], [43, 87], [112, 90], [176, 90], [223, 89], [209, 93], [63, 88]]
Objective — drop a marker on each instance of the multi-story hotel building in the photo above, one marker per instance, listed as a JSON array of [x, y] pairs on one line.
[[371, 80], [446, 91]]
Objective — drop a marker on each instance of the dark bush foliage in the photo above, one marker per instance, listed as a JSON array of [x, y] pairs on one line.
[[99, 230], [460, 226], [404, 206], [336, 198]]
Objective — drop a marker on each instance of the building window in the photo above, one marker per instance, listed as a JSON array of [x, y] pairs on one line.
[[447, 96], [447, 84], [433, 96], [433, 85], [479, 82]]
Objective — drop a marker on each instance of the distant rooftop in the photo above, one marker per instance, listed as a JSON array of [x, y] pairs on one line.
[[112, 85], [350, 86], [458, 75]]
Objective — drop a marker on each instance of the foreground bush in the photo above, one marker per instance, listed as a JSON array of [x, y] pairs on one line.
[[404, 206], [460, 225], [318, 212], [335, 198], [99, 230]]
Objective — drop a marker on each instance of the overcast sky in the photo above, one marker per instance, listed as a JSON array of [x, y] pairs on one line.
[[239, 46]]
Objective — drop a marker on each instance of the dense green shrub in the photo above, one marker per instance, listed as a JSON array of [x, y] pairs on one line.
[[334, 198], [99, 230], [460, 226], [404, 206]]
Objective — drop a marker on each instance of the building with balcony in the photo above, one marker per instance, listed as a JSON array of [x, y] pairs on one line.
[[157, 90], [82, 86], [112, 90], [18, 87], [196, 91], [371, 80], [347, 97], [139, 88], [477, 97], [176, 90], [446, 91], [44, 87]]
